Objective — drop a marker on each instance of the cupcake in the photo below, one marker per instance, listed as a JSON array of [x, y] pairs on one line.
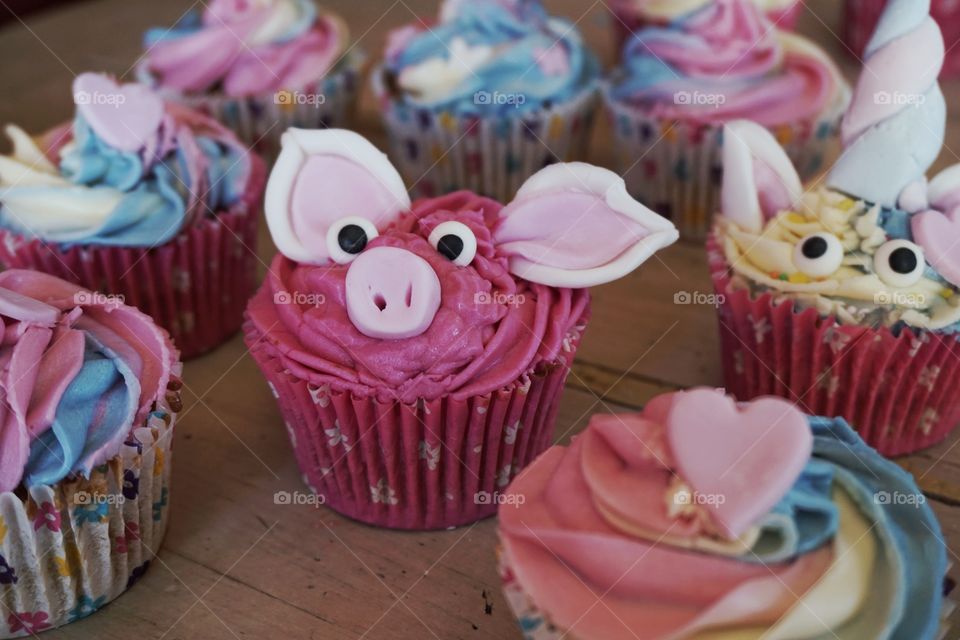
[[418, 351], [258, 66], [845, 299], [89, 400], [627, 16], [861, 18], [141, 199], [482, 100], [701, 518], [679, 84]]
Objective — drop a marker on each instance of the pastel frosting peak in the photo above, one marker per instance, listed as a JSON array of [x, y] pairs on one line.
[[701, 517], [79, 371]]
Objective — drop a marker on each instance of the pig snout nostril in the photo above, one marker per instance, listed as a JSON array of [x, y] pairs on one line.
[[380, 301], [409, 297]]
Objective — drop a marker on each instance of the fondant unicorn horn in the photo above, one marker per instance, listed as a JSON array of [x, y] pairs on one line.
[[894, 128]]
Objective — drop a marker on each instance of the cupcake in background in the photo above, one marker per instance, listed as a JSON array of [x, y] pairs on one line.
[[846, 299], [258, 66], [141, 199], [418, 351], [89, 399], [677, 85], [482, 100], [767, 524]]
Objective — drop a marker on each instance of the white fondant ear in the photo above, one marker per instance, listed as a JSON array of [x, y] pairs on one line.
[[759, 180], [574, 225], [323, 176]]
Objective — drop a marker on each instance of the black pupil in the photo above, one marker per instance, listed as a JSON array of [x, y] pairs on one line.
[[352, 238], [814, 247], [450, 246], [903, 260]]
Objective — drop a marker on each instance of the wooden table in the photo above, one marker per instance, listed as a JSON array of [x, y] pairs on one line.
[[236, 565]]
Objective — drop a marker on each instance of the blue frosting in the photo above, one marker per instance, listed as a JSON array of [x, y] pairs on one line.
[[512, 82]]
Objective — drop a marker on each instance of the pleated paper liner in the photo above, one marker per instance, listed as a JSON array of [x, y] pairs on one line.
[[68, 549], [675, 167], [900, 392], [260, 120], [442, 152], [430, 465], [195, 286]]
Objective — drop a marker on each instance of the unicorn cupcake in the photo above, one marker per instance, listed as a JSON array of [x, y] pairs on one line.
[[845, 298]]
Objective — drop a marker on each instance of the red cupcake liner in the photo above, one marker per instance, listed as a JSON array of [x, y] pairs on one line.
[[900, 392], [434, 464], [196, 286], [861, 18]]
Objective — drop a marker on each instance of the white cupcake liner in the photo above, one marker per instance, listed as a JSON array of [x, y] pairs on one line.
[[68, 549], [440, 152]]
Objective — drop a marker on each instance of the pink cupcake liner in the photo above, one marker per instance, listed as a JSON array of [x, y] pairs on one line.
[[900, 392], [862, 16], [430, 465], [196, 286]]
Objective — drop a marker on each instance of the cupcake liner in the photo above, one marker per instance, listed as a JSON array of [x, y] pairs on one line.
[[442, 152], [675, 167], [195, 286], [260, 120], [861, 18], [430, 465], [68, 549], [533, 623], [900, 392]]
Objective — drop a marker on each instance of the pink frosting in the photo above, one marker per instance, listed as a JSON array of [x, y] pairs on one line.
[[222, 56], [489, 330], [573, 539]]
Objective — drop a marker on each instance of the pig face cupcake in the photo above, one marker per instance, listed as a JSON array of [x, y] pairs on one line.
[[258, 66], [418, 351], [482, 100], [88, 399], [701, 518], [142, 199], [677, 85], [845, 299]]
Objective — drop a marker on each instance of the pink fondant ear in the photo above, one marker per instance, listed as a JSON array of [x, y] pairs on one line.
[[759, 180], [323, 176], [574, 225]]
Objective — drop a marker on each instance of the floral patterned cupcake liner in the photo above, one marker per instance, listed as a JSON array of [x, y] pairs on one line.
[[195, 286], [441, 152], [68, 549], [676, 167], [431, 465], [901, 392]]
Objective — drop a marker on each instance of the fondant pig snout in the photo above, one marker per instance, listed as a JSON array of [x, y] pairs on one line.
[[391, 293]]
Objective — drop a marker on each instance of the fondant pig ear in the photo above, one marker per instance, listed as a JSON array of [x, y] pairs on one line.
[[759, 180], [320, 178], [574, 225]]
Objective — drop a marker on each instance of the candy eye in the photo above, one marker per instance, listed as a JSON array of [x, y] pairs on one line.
[[899, 263], [455, 241], [818, 255], [348, 237]]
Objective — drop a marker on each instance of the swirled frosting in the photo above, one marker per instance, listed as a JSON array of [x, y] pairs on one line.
[[490, 329], [673, 9], [80, 370], [617, 534], [489, 57], [246, 47], [130, 171], [727, 61]]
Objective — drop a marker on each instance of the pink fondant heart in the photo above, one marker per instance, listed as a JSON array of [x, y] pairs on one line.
[[739, 461], [939, 236], [125, 116]]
